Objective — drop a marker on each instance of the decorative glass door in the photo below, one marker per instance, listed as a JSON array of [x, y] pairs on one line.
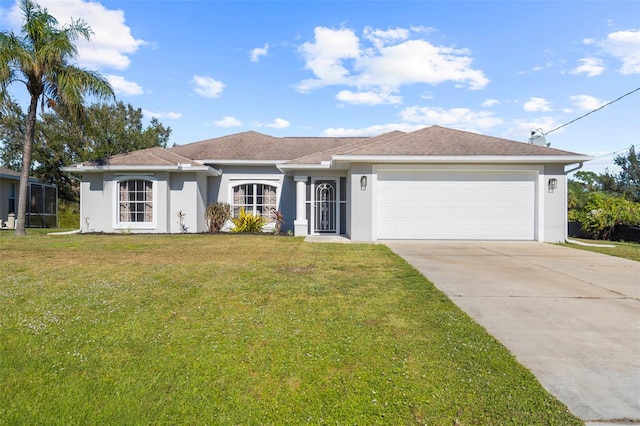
[[325, 207]]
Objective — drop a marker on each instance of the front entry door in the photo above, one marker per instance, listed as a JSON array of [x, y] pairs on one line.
[[325, 207]]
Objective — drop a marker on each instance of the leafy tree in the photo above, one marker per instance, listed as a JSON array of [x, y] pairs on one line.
[[12, 131], [629, 177], [107, 129], [583, 184], [118, 129], [41, 58]]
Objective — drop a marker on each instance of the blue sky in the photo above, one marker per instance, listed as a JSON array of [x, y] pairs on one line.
[[325, 68]]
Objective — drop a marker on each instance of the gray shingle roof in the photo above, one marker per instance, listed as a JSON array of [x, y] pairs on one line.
[[318, 157], [8, 173], [434, 141], [145, 157], [254, 146], [442, 141]]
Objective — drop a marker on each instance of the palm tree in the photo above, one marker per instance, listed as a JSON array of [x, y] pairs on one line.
[[41, 58]]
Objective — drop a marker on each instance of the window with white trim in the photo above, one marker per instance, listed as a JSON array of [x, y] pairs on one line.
[[135, 201], [256, 198]]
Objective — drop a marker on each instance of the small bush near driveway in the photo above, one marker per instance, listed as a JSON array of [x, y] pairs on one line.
[[222, 329]]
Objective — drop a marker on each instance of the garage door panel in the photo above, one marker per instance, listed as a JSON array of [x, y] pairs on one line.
[[456, 205]]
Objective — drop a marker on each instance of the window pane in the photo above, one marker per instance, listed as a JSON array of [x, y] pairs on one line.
[[257, 199], [136, 201]]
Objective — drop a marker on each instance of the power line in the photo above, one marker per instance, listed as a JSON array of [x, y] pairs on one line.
[[611, 153], [591, 112]]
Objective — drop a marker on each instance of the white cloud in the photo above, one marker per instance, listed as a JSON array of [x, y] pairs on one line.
[[160, 114], [589, 66], [122, 86], [416, 117], [586, 102], [418, 61], [228, 121], [207, 86], [602, 162], [459, 118], [340, 57], [325, 57], [520, 130], [371, 130], [279, 123], [258, 52], [488, 103], [367, 98], [112, 42], [381, 38], [588, 41], [537, 68], [537, 104], [422, 29], [624, 45]]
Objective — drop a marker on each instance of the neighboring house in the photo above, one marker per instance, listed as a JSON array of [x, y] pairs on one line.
[[42, 203], [434, 183]]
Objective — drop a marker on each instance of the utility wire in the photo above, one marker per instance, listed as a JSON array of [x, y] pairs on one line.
[[591, 112], [611, 153]]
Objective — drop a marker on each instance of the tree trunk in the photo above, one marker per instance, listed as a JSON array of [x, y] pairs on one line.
[[26, 166]]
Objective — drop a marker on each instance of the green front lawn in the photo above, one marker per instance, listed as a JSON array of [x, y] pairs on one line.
[[626, 250], [235, 329]]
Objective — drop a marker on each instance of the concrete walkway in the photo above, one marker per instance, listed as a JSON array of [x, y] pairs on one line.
[[571, 316]]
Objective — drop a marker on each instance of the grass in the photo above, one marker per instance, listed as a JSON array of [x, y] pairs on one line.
[[629, 251], [233, 329]]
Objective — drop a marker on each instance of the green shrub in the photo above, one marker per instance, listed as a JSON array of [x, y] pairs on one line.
[[602, 212], [68, 214], [247, 222], [216, 215]]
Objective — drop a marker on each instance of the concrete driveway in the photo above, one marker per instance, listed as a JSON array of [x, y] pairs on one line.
[[571, 316]]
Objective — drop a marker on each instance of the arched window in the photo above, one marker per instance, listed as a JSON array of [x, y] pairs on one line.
[[256, 198], [135, 201]]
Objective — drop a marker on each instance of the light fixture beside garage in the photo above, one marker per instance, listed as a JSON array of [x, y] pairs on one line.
[[363, 183], [553, 184]]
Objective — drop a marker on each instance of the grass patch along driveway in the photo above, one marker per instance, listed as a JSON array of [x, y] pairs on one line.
[[229, 329], [625, 250]]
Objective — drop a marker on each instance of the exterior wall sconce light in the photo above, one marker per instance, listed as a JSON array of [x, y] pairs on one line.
[[553, 184], [363, 183]]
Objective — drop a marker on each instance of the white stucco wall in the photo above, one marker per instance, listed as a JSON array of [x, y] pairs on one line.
[[96, 201], [360, 209], [555, 205], [173, 192], [219, 187], [191, 192], [187, 192]]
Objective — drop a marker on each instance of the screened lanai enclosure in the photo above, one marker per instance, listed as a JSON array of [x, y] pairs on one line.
[[42, 208]]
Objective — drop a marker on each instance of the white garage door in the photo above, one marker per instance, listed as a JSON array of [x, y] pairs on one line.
[[456, 205]]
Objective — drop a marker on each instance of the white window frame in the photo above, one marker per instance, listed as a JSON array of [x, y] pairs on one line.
[[121, 225], [273, 183]]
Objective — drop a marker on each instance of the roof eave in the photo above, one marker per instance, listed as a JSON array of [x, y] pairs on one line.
[[242, 162], [486, 159], [311, 166], [80, 168]]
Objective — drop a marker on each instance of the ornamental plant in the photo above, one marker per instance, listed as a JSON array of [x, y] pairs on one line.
[[603, 212], [217, 215], [248, 222]]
